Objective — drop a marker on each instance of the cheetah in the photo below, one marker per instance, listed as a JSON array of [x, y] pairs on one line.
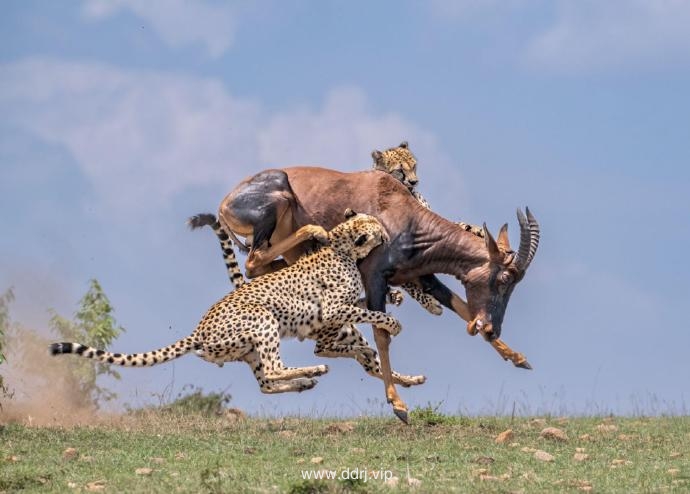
[[402, 165], [314, 298]]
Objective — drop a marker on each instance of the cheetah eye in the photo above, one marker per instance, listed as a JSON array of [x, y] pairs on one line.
[[359, 241]]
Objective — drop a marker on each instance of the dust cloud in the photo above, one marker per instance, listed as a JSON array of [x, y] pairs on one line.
[[42, 387]]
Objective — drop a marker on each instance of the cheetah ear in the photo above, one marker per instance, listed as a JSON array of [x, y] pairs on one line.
[[359, 241], [377, 155], [404, 145], [349, 213]]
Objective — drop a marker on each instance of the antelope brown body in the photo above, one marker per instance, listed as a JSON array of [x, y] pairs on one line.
[[270, 206]]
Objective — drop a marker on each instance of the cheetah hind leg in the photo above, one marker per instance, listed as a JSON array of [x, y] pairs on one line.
[[349, 342], [273, 386]]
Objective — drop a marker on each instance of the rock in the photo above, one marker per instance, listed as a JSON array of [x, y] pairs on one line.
[[70, 454], [604, 428], [157, 460], [580, 456], [580, 450], [586, 437], [484, 460], [538, 422], [96, 485], [543, 455], [673, 471], [340, 428], [316, 460], [504, 437], [392, 482], [675, 454], [143, 471], [527, 449], [180, 455], [553, 433], [234, 415], [286, 434], [359, 451], [413, 482]]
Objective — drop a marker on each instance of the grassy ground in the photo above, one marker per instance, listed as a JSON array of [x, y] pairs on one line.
[[157, 452]]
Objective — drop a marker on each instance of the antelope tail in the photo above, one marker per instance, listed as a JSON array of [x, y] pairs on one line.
[[226, 245], [170, 352]]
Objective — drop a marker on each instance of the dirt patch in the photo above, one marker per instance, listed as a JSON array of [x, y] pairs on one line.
[[42, 394]]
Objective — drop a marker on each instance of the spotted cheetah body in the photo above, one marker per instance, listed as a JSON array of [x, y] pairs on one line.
[[315, 298]]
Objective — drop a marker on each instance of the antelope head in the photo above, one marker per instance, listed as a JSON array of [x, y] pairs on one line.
[[489, 286]]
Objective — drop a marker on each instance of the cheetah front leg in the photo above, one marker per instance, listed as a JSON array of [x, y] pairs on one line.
[[349, 342], [424, 299], [341, 314]]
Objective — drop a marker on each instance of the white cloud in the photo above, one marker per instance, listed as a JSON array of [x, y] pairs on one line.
[[142, 137], [177, 22], [574, 36], [590, 34]]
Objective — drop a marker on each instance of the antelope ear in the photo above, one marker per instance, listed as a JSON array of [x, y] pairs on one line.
[[494, 252], [503, 242], [349, 213], [404, 145]]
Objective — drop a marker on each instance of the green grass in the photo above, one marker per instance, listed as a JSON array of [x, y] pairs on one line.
[[193, 453]]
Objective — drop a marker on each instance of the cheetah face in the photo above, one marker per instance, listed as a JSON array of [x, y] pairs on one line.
[[358, 235], [399, 162]]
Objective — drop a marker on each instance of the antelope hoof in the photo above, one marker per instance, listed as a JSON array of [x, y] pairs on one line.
[[402, 415], [523, 365]]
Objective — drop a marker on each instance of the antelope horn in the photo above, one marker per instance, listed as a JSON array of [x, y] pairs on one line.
[[529, 239]]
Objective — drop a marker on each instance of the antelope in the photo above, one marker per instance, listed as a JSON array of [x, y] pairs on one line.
[[271, 209]]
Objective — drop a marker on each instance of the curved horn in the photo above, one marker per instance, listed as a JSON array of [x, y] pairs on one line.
[[529, 239]]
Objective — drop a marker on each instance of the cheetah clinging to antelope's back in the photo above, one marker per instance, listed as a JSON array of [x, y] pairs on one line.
[[315, 298]]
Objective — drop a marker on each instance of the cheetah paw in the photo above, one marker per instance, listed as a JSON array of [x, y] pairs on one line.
[[305, 384], [434, 307], [319, 234], [407, 381], [395, 327], [395, 297], [319, 370]]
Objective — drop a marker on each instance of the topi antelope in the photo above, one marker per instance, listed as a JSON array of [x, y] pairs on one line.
[[269, 207]]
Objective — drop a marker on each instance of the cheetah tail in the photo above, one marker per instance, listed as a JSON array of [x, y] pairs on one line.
[[226, 245], [170, 352]]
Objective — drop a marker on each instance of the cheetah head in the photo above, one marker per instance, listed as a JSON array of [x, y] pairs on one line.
[[399, 162], [358, 235]]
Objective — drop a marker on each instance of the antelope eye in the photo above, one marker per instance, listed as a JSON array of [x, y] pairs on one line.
[[506, 277]]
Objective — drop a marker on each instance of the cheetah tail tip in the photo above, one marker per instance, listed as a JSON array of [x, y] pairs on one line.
[[58, 348]]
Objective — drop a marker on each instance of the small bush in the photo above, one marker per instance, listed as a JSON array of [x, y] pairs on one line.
[[198, 402], [430, 415]]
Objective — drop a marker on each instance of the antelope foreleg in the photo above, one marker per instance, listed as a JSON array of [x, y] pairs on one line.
[[508, 353]]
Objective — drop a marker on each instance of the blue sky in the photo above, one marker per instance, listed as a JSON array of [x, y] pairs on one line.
[[119, 119]]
